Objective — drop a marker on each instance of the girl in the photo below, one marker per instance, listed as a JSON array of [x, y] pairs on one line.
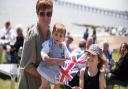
[[93, 77]]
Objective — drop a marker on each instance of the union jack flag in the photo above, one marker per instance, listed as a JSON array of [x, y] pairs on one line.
[[72, 66]]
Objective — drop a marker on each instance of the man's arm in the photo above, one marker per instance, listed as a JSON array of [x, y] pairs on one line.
[[29, 57]]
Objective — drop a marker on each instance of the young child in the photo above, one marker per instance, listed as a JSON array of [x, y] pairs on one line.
[[55, 51], [92, 77]]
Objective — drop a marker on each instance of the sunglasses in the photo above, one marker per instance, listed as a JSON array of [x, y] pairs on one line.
[[48, 14]]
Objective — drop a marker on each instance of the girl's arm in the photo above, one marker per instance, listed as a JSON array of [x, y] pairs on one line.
[[102, 83], [81, 79]]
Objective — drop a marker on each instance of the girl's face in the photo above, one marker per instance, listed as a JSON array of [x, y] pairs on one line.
[[58, 37], [92, 60], [123, 48]]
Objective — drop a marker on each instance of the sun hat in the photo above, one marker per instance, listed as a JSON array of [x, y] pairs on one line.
[[96, 50]]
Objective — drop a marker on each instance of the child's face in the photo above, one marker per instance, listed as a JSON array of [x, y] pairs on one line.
[[92, 60], [58, 37], [106, 47]]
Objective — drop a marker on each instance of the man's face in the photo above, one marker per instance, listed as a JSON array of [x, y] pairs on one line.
[[44, 17], [8, 27]]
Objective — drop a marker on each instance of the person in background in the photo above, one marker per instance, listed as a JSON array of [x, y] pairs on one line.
[[119, 75], [108, 53], [81, 46], [9, 35], [31, 57], [81, 49], [94, 36], [18, 44], [89, 43], [86, 34], [69, 40], [92, 77]]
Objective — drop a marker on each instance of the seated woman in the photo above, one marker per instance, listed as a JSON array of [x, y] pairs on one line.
[[15, 58], [119, 75]]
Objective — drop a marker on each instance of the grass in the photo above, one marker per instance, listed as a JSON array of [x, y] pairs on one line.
[[6, 84]]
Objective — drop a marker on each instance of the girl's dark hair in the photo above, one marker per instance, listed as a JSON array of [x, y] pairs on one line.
[[125, 45], [101, 62]]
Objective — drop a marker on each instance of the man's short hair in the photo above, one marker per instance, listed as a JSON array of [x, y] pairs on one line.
[[43, 5]]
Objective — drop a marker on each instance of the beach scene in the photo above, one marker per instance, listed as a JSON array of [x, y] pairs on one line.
[[108, 17]]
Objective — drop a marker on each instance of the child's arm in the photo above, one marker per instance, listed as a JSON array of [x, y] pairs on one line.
[[102, 83], [55, 61], [49, 60], [45, 57], [45, 50]]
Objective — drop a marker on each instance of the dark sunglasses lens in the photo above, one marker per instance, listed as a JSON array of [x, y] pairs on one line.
[[42, 13], [49, 14]]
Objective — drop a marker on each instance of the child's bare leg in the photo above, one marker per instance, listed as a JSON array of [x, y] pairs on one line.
[[44, 84], [57, 86]]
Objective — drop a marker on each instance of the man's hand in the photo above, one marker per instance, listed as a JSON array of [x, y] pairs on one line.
[[31, 69]]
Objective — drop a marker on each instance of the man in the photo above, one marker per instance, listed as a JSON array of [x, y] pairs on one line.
[[36, 35], [86, 34], [8, 33]]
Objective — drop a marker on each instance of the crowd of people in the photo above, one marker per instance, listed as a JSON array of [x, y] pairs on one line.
[[43, 52], [11, 41]]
